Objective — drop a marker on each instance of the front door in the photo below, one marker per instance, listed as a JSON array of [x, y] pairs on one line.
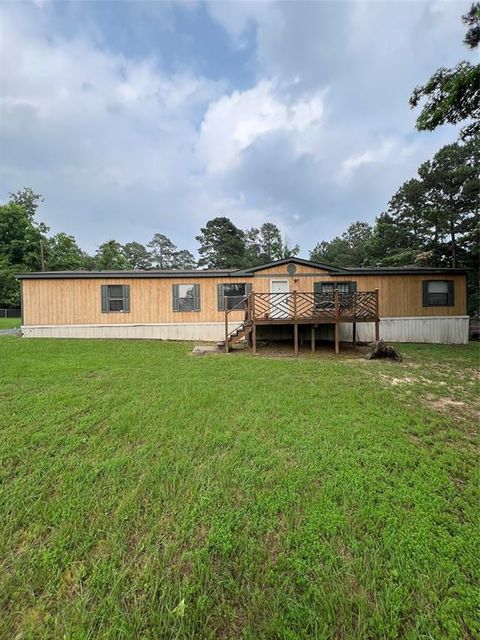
[[280, 302]]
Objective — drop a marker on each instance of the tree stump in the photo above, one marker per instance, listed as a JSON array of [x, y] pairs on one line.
[[382, 350]]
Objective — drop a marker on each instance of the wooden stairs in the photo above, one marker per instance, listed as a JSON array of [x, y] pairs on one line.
[[237, 335]]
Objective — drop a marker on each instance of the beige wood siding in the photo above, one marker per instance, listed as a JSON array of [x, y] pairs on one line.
[[302, 280], [399, 295], [282, 269], [77, 301]]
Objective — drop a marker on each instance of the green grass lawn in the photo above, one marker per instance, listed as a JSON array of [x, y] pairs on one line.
[[147, 493], [10, 323]]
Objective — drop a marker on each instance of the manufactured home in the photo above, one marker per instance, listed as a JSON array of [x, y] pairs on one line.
[[290, 298]]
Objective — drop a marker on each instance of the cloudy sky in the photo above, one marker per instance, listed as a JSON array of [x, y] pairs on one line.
[[141, 117]]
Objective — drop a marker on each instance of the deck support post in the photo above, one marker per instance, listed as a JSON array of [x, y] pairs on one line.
[[377, 330], [354, 333], [337, 338], [295, 325], [337, 321], [377, 317], [251, 316], [225, 306], [312, 339]]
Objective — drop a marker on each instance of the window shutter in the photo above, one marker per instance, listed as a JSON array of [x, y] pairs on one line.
[[451, 293], [220, 297], [317, 287], [126, 298], [176, 302], [425, 293], [353, 287], [196, 297], [248, 288], [104, 297]]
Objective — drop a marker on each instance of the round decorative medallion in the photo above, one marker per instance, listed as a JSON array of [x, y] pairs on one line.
[[292, 269]]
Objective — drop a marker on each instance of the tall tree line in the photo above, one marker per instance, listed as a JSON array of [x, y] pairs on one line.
[[433, 219], [223, 245], [25, 245]]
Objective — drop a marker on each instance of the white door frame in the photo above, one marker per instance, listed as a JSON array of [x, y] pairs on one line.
[[278, 313], [283, 280]]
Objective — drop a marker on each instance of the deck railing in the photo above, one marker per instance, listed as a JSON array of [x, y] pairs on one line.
[[304, 307]]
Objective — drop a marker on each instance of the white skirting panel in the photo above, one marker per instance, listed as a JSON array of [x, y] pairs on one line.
[[438, 329], [205, 331], [434, 329]]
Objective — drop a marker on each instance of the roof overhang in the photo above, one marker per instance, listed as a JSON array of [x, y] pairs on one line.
[[236, 273], [81, 275], [213, 273], [294, 260], [403, 271]]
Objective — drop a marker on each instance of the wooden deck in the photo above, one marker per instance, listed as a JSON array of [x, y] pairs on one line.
[[300, 308]]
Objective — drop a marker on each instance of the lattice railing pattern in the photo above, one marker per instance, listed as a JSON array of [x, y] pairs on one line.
[[364, 304], [308, 306], [271, 306]]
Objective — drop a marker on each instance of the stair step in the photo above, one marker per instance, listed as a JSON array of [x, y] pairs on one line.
[[237, 335]]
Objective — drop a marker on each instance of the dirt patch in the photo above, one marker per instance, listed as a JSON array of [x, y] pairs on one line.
[[71, 579], [323, 350], [273, 539], [411, 380], [447, 369], [397, 381], [439, 388], [467, 412], [445, 404]]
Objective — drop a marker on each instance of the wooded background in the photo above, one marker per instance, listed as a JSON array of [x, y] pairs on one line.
[[432, 220]]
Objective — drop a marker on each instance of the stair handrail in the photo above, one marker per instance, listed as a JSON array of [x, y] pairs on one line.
[[237, 307]]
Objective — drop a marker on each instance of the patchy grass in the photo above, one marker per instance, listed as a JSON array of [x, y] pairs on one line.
[[10, 323], [146, 493], [440, 377]]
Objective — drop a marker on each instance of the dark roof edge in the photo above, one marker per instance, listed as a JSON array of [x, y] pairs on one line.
[[294, 259], [247, 272], [63, 275], [235, 273], [399, 271]]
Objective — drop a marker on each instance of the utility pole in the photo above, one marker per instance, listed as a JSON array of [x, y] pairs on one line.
[[42, 256]]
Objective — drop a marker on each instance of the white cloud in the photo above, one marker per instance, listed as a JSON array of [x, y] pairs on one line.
[[121, 147], [116, 145], [102, 136], [389, 150], [234, 122]]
